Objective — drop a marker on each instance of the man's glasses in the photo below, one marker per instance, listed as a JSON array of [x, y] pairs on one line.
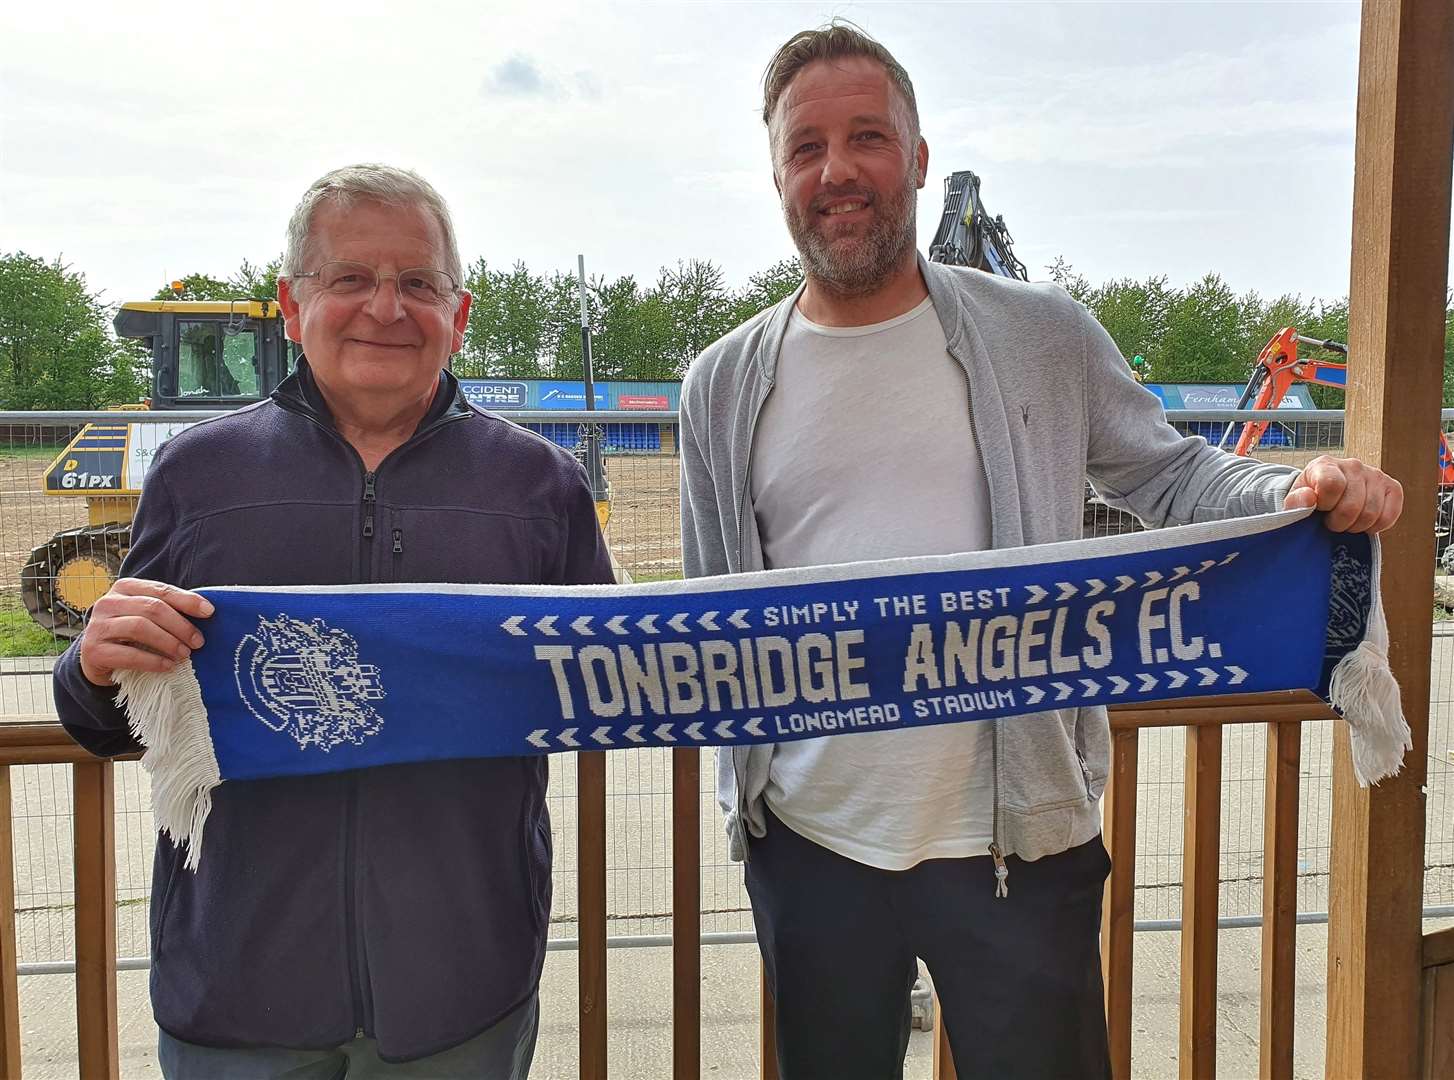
[[352, 280]]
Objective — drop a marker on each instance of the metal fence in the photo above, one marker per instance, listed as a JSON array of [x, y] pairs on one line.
[[643, 533]]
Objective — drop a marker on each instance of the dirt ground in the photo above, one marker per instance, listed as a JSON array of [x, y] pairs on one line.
[[27, 517], [645, 528]]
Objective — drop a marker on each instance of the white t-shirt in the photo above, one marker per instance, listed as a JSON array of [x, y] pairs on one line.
[[864, 450]]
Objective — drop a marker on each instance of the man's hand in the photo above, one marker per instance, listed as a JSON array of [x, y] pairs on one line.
[[140, 626], [1356, 497]]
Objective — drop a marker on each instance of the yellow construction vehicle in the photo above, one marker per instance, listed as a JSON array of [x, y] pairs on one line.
[[205, 355]]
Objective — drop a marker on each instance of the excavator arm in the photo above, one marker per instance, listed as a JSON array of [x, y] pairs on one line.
[[1278, 367], [968, 236]]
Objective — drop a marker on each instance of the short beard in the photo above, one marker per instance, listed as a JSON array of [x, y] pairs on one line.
[[862, 268]]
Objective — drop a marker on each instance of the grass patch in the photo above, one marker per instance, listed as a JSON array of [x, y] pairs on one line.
[[29, 452], [19, 636], [643, 576]]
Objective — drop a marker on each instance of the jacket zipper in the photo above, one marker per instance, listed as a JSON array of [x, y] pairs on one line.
[[350, 820], [1002, 872], [370, 499], [740, 756]]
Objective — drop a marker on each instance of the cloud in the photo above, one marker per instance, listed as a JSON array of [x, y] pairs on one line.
[[519, 77], [522, 78]]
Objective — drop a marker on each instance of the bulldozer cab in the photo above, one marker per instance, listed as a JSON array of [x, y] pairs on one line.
[[205, 355], [210, 355]]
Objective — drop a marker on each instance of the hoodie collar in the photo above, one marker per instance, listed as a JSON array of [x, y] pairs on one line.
[[299, 393]]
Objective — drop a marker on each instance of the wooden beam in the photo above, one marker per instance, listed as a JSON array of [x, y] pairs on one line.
[[1438, 948], [943, 1062], [1200, 862], [767, 1029], [9, 983], [1193, 714], [43, 744], [591, 910], [1118, 905], [1401, 192], [94, 835], [686, 913], [1279, 900]]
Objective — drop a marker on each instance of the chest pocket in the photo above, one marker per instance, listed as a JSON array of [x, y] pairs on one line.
[[277, 544], [467, 546]]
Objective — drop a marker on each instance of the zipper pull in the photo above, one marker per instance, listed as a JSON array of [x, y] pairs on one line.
[[370, 496], [1002, 873], [398, 541]]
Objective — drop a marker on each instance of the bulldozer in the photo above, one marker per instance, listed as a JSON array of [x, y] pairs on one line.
[[204, 355]]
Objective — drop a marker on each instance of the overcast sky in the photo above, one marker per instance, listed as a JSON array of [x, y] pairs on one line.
[[143, 142]]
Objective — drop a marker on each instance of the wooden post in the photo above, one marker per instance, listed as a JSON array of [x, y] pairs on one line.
[[1401, 193], [1279, 900], [9, 984], [1118, 905], [686, 913], [94, 835], [767, 1031], [591, 910], [943, 1063], [1202, 812]]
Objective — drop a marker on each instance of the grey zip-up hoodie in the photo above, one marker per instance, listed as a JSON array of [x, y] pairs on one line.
[[1051, 403]]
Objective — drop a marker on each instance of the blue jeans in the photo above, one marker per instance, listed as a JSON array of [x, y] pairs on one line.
[[502, 1052]]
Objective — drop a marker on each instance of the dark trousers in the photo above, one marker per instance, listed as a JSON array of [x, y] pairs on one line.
[[1018, 978]]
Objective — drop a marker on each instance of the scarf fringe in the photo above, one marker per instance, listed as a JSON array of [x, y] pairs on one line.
[[1365, 692], [165, 712]]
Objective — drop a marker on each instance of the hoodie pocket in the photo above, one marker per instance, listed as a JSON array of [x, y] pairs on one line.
[[163, 906], [1078, 741], [539, 854]]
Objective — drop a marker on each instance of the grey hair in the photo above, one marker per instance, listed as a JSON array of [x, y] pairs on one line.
[[369, 182], [835, 40]]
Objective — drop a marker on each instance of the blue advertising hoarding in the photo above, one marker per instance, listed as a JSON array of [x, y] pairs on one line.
[[1219, 396], [495, 393], [568, 395]]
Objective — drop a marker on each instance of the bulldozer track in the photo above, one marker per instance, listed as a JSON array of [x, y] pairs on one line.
[[93, 551]]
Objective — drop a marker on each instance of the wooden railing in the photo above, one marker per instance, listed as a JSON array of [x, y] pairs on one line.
[[93, 809], [1203, 719]]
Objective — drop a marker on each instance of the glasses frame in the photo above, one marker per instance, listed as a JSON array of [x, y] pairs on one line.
[[379, 279]]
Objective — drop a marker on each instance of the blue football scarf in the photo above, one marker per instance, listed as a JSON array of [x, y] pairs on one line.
[[301, 680]]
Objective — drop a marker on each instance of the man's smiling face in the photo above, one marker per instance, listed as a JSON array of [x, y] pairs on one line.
[[379, 344], [848, 166]]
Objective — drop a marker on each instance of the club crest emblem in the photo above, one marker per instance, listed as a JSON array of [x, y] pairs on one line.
[[304, 678]]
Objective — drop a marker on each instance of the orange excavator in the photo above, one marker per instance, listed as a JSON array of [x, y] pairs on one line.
[[1279, 366]]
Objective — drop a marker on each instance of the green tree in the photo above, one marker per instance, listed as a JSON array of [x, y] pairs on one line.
[[697, 307], [1203, 337], [1064, 275], [1135, 314], [197, 287], [508, 333], [56, 351], [248, 282], [256, 282], [765, 288]]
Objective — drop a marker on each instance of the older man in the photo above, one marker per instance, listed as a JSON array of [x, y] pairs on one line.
[[975, 847], [396, 915]]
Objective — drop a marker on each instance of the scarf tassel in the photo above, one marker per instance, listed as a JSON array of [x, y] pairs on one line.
[[1365, 693], [165, 712]]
